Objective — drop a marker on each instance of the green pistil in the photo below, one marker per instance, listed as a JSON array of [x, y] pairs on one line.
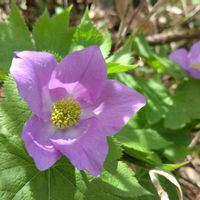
[[65, 113]]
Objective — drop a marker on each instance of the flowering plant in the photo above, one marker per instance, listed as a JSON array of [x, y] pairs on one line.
[[79, 120], [189, 61], [74, 107]]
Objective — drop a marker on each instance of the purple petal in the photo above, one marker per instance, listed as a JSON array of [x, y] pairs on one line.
[[57, 93], [85, 70], [180, 56], [75, 91], [86, 152], [116, 105], [73, 133], [192, 71], [36, 135], [32, 72], [194, 57], [194, 54]]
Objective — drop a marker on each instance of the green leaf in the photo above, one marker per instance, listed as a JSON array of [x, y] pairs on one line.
[[106, 45], [146, 138], [115, 151], [86, 34], [2, 75], [143, 177], [97, 191], [171, 67], [124, 55], [157, 102], [141, 156], [142, 48], [186, 105], [13, 110], [180, 139], [116, 67], [53, 34], [158, 63], [14, 36], [120, 181], [136, 150], [172, 167], [175, 152]]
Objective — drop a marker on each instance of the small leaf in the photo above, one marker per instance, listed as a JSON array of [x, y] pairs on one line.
[[53, 34], [124, 55], [14, 36], [172, 167], [142, 48], [116, 67], [106, 45], [86, 34], [158, 63]]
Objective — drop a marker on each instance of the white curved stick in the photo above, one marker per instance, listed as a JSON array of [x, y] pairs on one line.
[[162, 193]]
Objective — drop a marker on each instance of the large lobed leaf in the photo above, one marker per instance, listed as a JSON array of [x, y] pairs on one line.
[[186, 105], [13, 111]]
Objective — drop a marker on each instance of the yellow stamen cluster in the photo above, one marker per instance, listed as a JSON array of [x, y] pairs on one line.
[[196, 66], [65, 113]]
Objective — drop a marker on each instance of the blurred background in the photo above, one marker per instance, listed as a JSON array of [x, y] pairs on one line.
[[166, 25], [174, 22]]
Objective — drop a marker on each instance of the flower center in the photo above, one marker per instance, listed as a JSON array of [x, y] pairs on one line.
[[65, 113], [196, 66]]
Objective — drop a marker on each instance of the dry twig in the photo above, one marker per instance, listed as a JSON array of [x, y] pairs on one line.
[[173, 36]]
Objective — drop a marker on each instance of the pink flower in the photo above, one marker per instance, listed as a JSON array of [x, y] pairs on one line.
[[74, 107], [189, 61]]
